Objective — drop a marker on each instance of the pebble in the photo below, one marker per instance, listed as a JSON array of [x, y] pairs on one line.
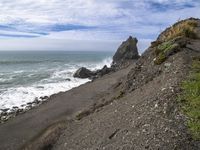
[[44, 97], [4, 110], [7, 113], [167, 64], [156, 105], [163, 89]]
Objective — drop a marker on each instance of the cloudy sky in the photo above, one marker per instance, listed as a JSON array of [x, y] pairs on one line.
[[87, 24]]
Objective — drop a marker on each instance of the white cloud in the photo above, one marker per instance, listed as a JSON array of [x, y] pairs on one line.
[[114, 20]]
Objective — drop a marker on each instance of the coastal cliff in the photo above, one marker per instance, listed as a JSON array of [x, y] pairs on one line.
[[149, 103], [156, 105]]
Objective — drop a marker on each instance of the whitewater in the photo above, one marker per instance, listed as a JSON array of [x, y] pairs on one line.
[[26, 76]]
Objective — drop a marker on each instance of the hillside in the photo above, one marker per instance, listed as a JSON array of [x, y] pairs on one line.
[[149, 103], [147, 113]]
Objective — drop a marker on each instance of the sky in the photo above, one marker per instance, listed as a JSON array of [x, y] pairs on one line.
[[87, 24]]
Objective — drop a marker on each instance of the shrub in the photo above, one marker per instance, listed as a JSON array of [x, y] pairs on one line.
[[160, 59], [189, 32], [155, 43], [164, 50]]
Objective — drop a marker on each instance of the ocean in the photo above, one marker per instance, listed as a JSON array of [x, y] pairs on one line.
[[25, 76]]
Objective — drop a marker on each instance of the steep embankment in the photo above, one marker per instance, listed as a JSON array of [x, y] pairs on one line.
[[146, 112]]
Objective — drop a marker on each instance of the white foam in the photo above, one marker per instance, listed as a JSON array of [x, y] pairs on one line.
[[8, 78], [20, 96], [99, 65], [19, 71]]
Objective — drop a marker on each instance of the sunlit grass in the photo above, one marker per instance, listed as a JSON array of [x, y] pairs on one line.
[[184, 29], [190, 99], [169, 43], [164, 50]]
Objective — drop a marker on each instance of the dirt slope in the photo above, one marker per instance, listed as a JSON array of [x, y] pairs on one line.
[[23, 128], [146, 116]]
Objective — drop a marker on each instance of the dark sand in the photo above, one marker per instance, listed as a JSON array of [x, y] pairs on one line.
[[60, 107]]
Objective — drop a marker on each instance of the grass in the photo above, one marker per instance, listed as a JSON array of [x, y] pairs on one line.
[[160, 59], [184, 29], [169, 44], [164, 50], [190, 99]]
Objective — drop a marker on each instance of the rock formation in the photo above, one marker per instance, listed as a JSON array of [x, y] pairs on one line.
[[86, 73], [126, 54], [83, 73]]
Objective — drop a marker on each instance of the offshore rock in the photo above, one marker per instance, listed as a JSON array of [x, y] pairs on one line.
[[127, 51]]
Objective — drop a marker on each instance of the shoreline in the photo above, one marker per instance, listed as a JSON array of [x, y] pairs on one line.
[[24, 127], [9, 113], [31, 83], [136, 107]]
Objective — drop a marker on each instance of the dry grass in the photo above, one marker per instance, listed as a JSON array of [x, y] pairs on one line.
[[184, 29], [172, 39]]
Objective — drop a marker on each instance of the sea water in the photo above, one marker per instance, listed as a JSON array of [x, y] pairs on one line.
[[25, 76]]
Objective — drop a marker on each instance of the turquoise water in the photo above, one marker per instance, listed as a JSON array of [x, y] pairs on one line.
[[25, 76]]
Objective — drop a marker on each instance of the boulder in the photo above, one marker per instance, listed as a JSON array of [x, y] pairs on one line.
[[83, 73], [127, 51], [86, 73], [103, 71]]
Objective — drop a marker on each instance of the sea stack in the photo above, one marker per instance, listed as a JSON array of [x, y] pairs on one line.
[[126, 52]]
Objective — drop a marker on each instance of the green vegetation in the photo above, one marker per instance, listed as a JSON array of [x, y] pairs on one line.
[[190, 98], [184, 29], [155, 43], [164, 50], [169, 43], [167, 46], [160, 59]]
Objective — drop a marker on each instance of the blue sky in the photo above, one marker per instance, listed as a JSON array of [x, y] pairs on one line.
[[87, 24]]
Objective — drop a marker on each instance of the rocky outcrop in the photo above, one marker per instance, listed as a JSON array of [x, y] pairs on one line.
[[103, 71], [86, 73], [83, 73], [126, 52]]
